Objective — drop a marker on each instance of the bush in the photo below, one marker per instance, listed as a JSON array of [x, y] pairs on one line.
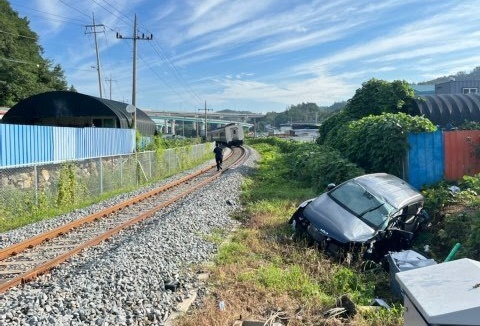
[[320, 165], [379, 143], [314, 165]]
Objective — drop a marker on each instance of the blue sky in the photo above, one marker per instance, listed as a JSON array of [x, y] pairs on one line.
[[255, 55]]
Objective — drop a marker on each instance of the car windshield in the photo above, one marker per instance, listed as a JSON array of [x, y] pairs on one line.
[[373, 210]]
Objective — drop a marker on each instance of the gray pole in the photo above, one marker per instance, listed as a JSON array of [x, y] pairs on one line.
[[135, 37], [98, 57], [109, 81], [94, 31], [134, 86], [205, 119]]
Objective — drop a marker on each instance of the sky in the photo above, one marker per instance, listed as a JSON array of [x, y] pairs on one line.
[[251, 55]]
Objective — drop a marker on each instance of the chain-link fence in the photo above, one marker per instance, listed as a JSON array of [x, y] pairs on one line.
[[34, 190]]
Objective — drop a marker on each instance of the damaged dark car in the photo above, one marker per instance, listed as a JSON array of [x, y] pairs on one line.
[[367, 216]]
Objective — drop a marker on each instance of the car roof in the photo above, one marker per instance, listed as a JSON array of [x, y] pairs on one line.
[[394, 190]]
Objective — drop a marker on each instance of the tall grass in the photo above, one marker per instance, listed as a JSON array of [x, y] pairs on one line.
[[261, 273]]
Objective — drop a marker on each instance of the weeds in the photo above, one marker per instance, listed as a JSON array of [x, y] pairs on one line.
[[262, 273]]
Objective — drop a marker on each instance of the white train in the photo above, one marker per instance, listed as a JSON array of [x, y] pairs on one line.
[[229, 135]]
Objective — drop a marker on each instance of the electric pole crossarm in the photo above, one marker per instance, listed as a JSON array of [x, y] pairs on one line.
[[135, 37]]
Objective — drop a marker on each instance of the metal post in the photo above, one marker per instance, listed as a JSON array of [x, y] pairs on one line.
[[134, 81], [35, 172], [98, 58], [206, 124], [101, 175], [94, 31], [135, 37]]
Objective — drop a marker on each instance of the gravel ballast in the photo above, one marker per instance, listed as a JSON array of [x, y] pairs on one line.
[[135, 278]]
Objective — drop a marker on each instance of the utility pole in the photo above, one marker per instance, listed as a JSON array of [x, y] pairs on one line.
[[135, 37], [109, 81], [206, 119], [89, 29]]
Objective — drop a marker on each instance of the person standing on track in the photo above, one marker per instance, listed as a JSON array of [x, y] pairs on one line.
[[218, 156]]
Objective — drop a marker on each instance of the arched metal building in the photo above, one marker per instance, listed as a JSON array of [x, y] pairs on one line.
[[450, 109], [72, 109]]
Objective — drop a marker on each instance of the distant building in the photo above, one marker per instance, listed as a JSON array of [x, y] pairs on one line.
[[450, 110], [458, 87], [452, 104], [300, 131], [449, 87], [421, 90]]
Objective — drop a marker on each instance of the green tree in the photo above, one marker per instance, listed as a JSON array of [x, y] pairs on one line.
[[300, 113], [379, 96], [373, 98], [379, 143], [23, 70]]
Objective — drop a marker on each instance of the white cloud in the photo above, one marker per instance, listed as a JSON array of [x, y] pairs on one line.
[[323, 90]]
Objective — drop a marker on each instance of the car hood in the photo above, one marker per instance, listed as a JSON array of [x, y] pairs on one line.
[[336, 222]]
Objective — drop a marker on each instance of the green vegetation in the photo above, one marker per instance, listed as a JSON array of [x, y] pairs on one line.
[[380, 142], [72, 188], [375, 97], [372, 130], [69, 190], [314, 166], [461, 75], [261, 270], [159, 143], [23, 70], [456, 218], [301, 113]]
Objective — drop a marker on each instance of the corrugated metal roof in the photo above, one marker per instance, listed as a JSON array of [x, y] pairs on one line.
[[450, 109], [75, 109]]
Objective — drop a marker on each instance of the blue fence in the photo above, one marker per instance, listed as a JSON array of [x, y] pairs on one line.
[[425, 158], [23, 145]]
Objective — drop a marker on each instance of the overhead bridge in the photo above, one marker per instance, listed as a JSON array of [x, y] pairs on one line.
[[166, 122]]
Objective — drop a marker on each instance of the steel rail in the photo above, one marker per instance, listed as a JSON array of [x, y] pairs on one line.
[[40, 238], [48, 265]]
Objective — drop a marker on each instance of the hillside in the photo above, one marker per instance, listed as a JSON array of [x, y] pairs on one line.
[[461, 75]]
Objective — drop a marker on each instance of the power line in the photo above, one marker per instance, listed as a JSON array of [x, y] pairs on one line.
[[19, 35], [62, 18], [109, 81], [19, 61], [129, 22], [161, 53], [112, 10], [135, 37], [158, 50], [166, 84], [79, 11], [176, 73]]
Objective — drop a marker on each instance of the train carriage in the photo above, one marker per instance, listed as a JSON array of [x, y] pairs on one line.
[[229, 135]]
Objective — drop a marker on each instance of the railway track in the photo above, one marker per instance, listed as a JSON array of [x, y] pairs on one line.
[[30, 258]]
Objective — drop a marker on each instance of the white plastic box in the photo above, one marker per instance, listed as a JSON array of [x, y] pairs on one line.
[[442, 294]]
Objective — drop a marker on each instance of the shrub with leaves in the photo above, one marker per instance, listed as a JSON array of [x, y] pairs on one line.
[[314, 165], [69, 189], [379, 143], [318, 166], [332, 127]]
